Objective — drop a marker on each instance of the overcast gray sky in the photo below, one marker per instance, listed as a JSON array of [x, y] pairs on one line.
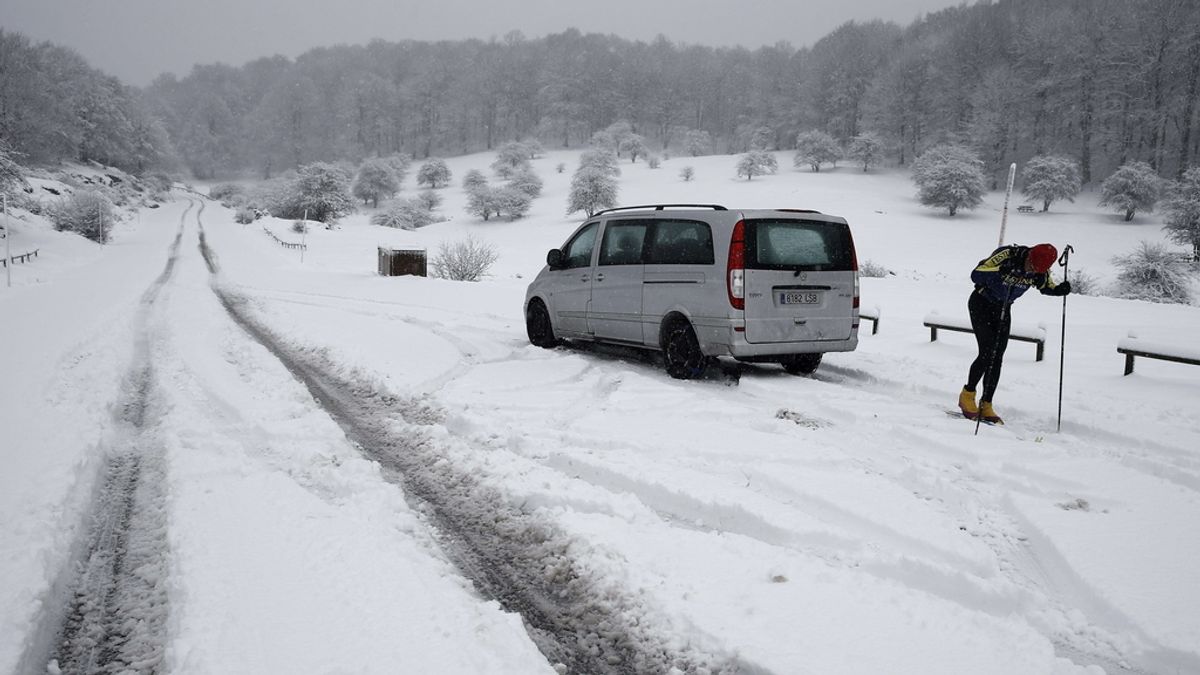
[[139, 39]]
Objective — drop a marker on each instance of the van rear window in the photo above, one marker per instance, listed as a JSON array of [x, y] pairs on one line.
[[804, 245]]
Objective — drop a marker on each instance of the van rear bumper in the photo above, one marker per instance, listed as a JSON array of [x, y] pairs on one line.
[[722, 339]]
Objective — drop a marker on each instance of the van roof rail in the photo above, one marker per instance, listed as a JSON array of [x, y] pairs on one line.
[[800, 211], [660, 207]]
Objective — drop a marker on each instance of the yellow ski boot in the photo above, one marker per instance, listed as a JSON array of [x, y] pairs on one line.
[[989, 415], [966, 403]]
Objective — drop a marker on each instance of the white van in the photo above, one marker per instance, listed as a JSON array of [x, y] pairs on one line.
[[701, 281]]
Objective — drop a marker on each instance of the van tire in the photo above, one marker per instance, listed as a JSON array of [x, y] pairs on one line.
[[538, 326], [801, 364], [681, 351]]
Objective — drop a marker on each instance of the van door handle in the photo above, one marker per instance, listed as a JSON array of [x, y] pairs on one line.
[[600, 277], [584, 278]]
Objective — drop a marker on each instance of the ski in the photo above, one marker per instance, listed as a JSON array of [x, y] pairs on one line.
[[959, 414]]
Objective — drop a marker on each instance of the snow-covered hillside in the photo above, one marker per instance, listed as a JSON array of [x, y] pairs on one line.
[[748, 522]]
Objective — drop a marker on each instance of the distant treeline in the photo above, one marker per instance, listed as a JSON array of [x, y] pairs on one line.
[[1102, 81]]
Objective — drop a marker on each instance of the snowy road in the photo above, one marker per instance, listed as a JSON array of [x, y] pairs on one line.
[[342, 473]]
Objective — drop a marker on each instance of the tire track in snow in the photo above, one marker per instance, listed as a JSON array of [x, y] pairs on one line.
[[580, 623], [114, 618]]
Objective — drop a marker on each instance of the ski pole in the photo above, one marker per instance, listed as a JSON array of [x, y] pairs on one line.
[[1063, 260], [995, 352]]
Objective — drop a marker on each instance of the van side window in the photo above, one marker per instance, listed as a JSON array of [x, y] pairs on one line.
[[680, 242], [623, 242], [578, 251]]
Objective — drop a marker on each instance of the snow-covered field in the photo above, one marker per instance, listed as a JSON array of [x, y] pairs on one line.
[[751, 521]]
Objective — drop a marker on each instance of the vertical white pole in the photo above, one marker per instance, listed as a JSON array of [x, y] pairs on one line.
[[304, 236], [100, 214], [7, 245], [1012, 174]]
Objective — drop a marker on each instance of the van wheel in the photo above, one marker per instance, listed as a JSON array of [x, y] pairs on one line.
[[681, 352], [801, 364], [538, 326]]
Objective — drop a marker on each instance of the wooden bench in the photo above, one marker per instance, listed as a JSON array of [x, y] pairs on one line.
[[1132, 347], [872, 315], [1024, 208], [1037, 336]]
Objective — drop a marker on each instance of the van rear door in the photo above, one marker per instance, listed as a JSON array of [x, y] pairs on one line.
[[799, 280]]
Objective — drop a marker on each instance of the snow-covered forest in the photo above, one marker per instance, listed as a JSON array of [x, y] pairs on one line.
[[1104, 82]]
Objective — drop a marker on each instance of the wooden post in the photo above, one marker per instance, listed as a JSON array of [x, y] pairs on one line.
[[1012, 174], [7, 245]]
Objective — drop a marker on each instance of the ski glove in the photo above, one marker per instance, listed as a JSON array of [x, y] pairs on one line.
[[1060, 289]]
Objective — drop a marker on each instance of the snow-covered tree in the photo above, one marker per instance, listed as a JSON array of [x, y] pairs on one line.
[[1051, 177], [512, 202], [950, 177], [1182, 208], [866, 149], [601, 160], [814, 148], [612, 137], [434, 173], [11, 174], [527, 182], [405, 214], [592, 189], [1153, 272], [229, 194], [633, 145], [603, 140], [481, 202], [510, 158], [87, 213], [1133, 187], [376, 180], [322, 191], [697, 142], [533, 147], [474, 179], [687, 173], [762, 138], [756, 163], [429, 200]]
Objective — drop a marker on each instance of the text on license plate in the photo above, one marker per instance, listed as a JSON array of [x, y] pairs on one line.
[[799, 298]]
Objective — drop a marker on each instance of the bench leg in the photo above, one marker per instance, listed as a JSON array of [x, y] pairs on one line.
[[1041, 350], [1128, 363], [875, 327], [933, 334]]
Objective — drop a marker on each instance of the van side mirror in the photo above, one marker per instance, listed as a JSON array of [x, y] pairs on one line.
[[554, 259]]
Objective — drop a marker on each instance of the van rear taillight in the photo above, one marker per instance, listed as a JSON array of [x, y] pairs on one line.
[[853, 265], [735, 270]]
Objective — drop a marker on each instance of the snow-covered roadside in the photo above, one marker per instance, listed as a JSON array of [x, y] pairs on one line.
[[66, 340]]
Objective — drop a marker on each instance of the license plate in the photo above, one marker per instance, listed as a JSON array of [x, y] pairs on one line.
[[799, 298]]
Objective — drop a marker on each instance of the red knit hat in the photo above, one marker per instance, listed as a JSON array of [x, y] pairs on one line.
[[1042, 257]]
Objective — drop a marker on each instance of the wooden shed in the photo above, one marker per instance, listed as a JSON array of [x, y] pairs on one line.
[[395, 262]]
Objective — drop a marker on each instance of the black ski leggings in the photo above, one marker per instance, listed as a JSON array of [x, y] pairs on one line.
[[991, 323]]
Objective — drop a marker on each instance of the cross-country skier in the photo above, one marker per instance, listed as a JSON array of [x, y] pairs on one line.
[[999, 280]]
